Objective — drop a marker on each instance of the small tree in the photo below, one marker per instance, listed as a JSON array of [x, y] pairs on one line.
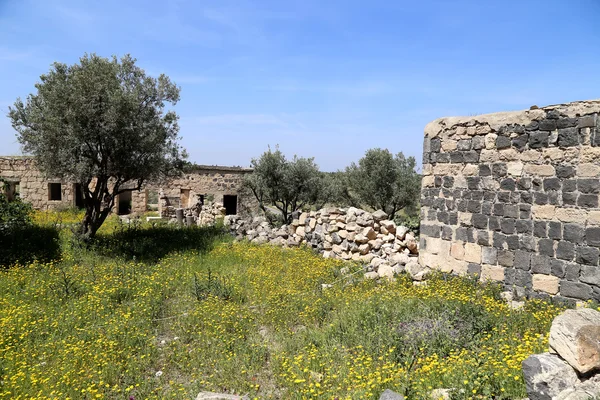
[[101, 123], [384, 181], [286, 185]]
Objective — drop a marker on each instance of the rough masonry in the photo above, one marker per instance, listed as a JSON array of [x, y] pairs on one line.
[[514, 198], [215, 184]]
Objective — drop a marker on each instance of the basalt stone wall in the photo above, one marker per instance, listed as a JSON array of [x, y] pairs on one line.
[[514, 197]]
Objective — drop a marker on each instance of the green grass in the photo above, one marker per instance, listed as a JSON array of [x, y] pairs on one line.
[[160, 312]]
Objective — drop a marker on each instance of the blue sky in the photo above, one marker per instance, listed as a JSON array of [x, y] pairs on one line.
[[325, 79]]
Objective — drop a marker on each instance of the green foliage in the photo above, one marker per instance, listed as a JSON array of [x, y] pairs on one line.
[[102, 123], [213, 286], [412, 221], [288, 185], [384, 181], [21, 241]]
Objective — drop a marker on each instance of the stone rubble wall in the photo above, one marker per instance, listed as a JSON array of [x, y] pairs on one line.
[[514, 198], [347, 234], [202, 214], [571, 368]]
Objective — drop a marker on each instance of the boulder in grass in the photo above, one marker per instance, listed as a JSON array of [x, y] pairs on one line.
[[547, 375], [390, 395], [575, 336], [219, 396]]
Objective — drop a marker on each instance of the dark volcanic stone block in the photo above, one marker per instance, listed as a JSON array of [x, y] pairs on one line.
[[557, 268], [522, 260], [551, 184], [474, 269], [483, 237], [502, 142], [569, 185], [538, 139], [447, 232], [508, 226], [494, 224], [587, 200], [555, 230], [546, 247], [540, 264], [573, 233], [524, 183], [566, 123], [464, 144], [499, 240], [522, 278], [520, 141], [474, 206], [511, 211], [513, 242], [456, 157], [592, 236], [527, 197], [565, 250], [435, 145], [471, 156], [588, 185], [480, 221], [499, 169], [587, 121], [539, 229], [572, 271], [565, 171], [547, 125], [506, 258], [498, 209], [485, 170], [587, 255], [569, 199], [540, 198], [528, 242], [442, 158], [473, 182], [524, 226], [524, 210], [576, 290], [508, 184]]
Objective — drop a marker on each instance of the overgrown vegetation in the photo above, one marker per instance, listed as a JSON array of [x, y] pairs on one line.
[[21, 241], [106, 322]]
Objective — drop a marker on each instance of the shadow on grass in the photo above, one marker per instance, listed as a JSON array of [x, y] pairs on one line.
[[152, 244], [25, 244]]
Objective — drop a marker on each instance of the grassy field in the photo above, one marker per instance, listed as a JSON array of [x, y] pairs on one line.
[[166, 313]]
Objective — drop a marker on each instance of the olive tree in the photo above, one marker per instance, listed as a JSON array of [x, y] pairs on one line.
[[384, 181], [287, 185], [101, 123]]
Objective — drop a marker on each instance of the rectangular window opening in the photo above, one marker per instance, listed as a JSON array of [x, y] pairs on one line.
[[54, 191]]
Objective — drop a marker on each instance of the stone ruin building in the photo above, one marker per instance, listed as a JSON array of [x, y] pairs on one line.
[[202, 184], [514, 198]]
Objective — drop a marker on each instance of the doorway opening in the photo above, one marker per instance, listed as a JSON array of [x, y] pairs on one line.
[[230, 204], [78, 195], [124, 207]]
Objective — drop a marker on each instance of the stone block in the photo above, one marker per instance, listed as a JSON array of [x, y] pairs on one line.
[[546, 375], [590, 274], [587, 255], [588, 170], [565, 214], [539, 170], [545, 283], [576, 290], [574, 336], [492, 273], [489, 255], [472, 253], [543, 212]]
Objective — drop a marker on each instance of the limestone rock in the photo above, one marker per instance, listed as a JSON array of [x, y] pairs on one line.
[[371, 275], [574, 335], [546, 376], [360, 238], [219, 396], [390, 395], [386, 271], [401, 232], [443, 394], [416, 271], [379, 215], [390, 226]]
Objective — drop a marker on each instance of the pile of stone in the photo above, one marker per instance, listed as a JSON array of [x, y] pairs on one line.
[[199, 214], [344, 233], [571, 369]]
